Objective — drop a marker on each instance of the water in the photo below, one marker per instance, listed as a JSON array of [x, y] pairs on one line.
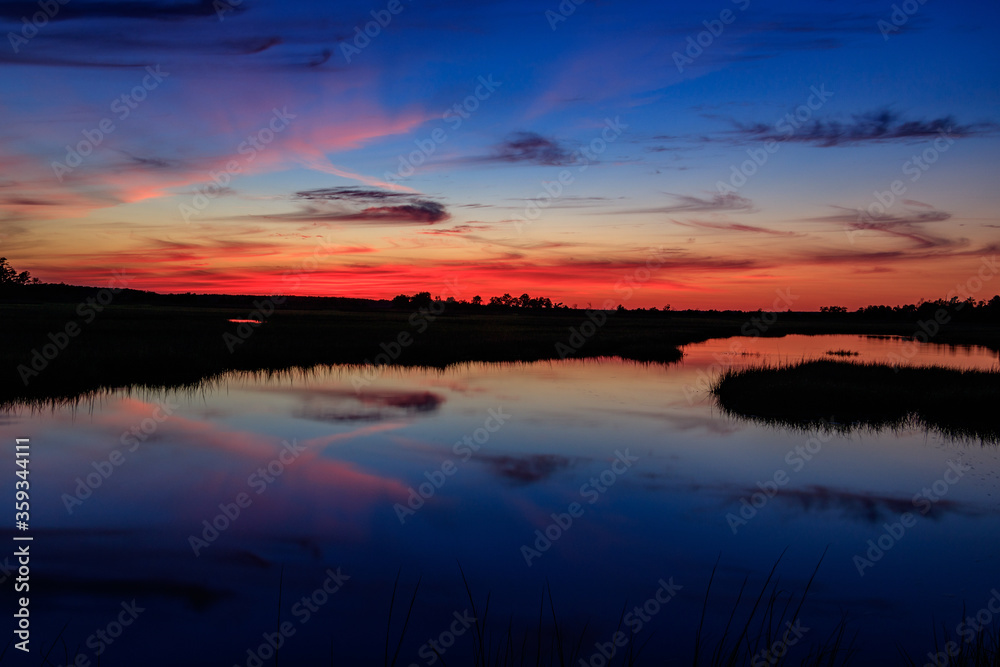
[[424, 469]]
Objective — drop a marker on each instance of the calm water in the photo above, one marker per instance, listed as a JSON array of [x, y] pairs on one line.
[[638, 465]]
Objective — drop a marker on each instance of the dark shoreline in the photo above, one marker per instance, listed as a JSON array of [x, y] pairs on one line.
[[61, 346]]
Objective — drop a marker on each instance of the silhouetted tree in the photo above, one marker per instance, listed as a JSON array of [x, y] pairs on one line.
[[10, 277], [421, 299], [506, 301]]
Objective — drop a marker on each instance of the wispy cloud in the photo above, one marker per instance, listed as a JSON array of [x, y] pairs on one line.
[[734, 227], [532, 147], [458, 230], [527, 148], [691, 204], [879, 126], [347, 204], [905, 226], [349, 194]]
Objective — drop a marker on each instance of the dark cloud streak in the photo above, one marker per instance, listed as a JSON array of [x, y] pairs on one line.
[[80, 9], [880, 126], [733, 227], [377, 206], [903, 226], [527, 148]]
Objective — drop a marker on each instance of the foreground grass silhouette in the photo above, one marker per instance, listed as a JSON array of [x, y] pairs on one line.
[[754, 635], [750, 637], [956, 403]]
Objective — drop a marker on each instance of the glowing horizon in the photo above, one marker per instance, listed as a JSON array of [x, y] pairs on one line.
[[706, 157]]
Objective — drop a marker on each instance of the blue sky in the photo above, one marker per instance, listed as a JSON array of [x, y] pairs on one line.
[[174, 196]]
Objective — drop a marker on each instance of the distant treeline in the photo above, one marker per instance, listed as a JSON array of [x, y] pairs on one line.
[[942, 309], [424, 299], [22, 288], [70, 294], [967, 310]]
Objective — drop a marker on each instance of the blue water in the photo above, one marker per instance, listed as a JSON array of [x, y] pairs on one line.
[[643, 473]]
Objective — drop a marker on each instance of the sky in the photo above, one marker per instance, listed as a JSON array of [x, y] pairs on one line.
[[728, 154]]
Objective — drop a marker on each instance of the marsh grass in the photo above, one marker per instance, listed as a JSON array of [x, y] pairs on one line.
[[752, 629], [170, 346], [747, 634], [165, 348], [850, 396], [981, 651], [755, 642]]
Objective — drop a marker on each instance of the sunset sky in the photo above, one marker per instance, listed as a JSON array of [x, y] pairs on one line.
[[358, 165]]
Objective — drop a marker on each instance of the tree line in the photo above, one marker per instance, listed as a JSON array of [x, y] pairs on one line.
[[967, 309], [9, 277], [525, 301], [424, 299]]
